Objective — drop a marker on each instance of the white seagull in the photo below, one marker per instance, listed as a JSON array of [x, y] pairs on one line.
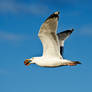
[[52, 45]]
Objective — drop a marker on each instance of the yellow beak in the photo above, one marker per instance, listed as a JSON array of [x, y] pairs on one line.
[[27, 62]]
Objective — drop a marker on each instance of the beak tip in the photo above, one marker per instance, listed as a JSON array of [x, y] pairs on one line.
[[27, 63]]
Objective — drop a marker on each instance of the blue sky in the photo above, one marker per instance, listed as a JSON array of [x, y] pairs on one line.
[[20, 21]]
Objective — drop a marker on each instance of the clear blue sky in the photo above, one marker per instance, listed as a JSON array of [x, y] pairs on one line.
[[20, 21]]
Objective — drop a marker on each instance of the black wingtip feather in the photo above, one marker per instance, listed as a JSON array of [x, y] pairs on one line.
[[54, 15], [72, 30], [69, 31], [77, 62]]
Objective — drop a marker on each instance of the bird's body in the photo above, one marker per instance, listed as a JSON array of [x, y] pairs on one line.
[[52, 44], [51, 62], [47, 62]]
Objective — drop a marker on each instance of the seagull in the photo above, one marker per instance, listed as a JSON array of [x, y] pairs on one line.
[[53, 44]]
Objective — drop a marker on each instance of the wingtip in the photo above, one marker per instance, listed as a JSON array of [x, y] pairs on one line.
[[57, 13], [54, 15], [77, 62], [72, 29]]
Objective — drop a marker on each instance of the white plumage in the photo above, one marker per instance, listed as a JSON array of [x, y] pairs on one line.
[[52, 44]]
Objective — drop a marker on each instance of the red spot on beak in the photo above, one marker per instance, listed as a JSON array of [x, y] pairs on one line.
[[27, 62]]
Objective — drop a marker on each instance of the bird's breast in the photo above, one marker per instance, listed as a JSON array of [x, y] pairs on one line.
[[49, 63]]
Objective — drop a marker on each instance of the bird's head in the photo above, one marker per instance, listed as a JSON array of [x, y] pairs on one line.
[[27, 62]]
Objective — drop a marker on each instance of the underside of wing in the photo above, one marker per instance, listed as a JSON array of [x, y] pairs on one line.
[[48, 37], [62, 36]]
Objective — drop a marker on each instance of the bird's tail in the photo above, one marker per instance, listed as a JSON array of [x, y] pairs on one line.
[[73, 63]]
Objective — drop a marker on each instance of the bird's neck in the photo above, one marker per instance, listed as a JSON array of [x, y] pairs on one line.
[[36, 59]]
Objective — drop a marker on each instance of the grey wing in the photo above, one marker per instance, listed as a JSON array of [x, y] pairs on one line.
[[62, 36], [48, 36]]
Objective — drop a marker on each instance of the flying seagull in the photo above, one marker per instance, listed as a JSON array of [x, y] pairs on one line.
[[52, 45]]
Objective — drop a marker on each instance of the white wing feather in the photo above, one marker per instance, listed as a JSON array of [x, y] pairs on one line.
[[48, 37]]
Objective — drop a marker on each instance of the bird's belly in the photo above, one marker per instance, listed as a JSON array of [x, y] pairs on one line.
[[49, 63]]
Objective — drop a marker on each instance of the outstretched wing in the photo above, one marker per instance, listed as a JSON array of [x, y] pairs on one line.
[[62, 36], [48, 36]]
